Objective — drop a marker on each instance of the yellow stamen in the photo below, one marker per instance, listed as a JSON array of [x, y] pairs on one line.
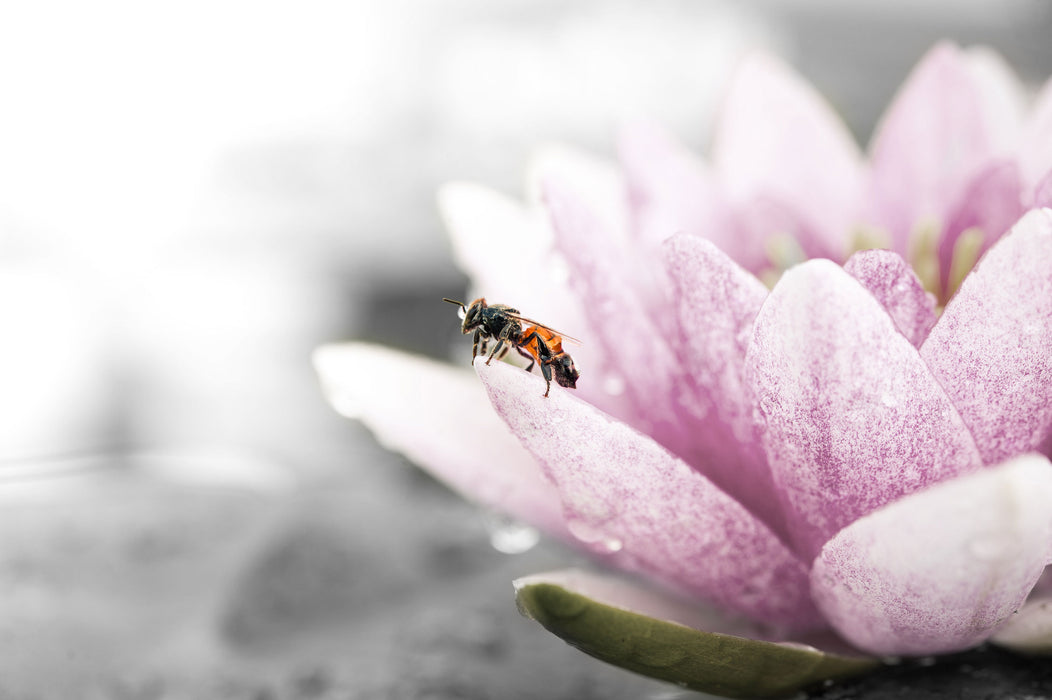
[[965, 255], [868, 238], [924, 255]]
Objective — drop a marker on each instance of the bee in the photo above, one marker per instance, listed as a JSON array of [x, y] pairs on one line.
[[536, 342]]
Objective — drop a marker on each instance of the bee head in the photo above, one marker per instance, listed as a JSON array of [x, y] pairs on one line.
[[473, 315]]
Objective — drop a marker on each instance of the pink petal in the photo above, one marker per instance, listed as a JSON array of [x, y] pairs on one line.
[[613, 284], [597, 182], [990, 348], [990, 203], [1030, 629], [486, 228], [1003, 97], [673, 192], [651, 512], [892, 281], [439, 418], [1043, 191], [777, 138], [853, 417], [1035, 146], [941, 569], [715, 302], [929, 144]]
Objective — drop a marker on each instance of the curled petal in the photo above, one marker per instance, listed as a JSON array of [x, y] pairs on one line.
[[929, 143], [990, 348], [647, 510], [853, 417], [777, 138], [715, 302], [940, 570], [439, 417], [892, 281]]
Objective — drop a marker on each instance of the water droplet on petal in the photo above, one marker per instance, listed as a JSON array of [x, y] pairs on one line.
[[593, 536], [510, 536], [558, 270], [614, 384], [347, 406]]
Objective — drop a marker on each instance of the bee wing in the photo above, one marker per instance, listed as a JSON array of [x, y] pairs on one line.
[[568, 338]]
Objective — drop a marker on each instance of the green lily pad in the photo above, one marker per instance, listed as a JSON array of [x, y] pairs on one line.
[[710, 662]]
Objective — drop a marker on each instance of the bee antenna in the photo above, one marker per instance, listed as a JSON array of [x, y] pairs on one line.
[[452, 301]]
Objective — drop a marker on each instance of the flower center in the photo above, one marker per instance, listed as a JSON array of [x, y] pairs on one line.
[[924, 258], [784, 251]]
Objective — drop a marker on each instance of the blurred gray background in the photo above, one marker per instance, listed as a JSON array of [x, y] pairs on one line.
[[193, 196]]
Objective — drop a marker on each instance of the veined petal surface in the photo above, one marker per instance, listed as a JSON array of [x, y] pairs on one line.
[[715, 302], [853, 417], [941, 569], [648, 510], [892, 281], [992, 347]]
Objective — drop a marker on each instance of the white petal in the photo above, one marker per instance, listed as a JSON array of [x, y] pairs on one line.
[[941, 569], [440, 418]]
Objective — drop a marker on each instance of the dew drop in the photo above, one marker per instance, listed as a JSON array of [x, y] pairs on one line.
[[614, 385], [593, 536], [347, 406], [559, 270], [510, 536]]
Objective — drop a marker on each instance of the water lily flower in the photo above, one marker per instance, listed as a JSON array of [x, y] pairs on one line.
[[816, 385]]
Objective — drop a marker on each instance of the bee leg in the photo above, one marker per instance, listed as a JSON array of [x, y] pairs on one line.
[[528, 356], [504, 352], [496, 348], [478, 339], [546, 370]]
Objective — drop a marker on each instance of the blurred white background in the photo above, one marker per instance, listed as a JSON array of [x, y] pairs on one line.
[[194, 195]]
